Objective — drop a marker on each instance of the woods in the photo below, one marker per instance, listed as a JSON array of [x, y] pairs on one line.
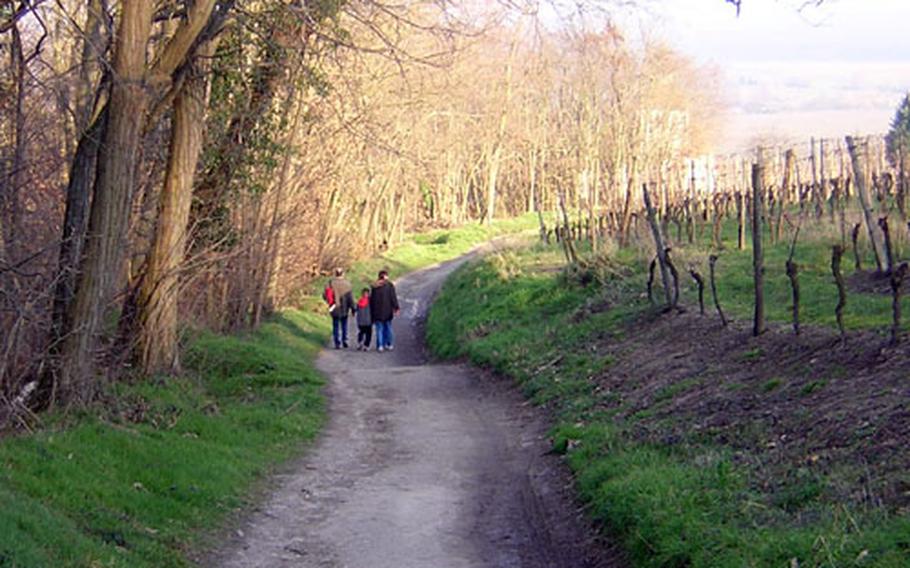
[[198, 163]]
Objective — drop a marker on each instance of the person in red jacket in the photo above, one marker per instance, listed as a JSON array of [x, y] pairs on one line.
[[340, 306], [329, 296]]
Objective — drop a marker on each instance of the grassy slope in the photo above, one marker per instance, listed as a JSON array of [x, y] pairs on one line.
[[685, 505], [170, 458]]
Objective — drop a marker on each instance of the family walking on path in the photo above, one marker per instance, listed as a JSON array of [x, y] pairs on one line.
[[377, 306]]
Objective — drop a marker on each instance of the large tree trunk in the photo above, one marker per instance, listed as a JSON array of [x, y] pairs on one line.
[[78, 194], [9, 198], [158, 295], [89, 129], [112, 196], [93, 43]]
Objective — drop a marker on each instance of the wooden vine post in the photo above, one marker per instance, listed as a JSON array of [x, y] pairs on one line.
[[837, 252], [692, 211], [793, 275], [789, 166], [854, 236], [675, 274], [897, 281], [568, 246], [741, 220], [889, 254], [758, 322], [841, 203], [651, 268], [793, 269], [661, 249], [700, 282], [718, 220], [860, 175], [712, 261]]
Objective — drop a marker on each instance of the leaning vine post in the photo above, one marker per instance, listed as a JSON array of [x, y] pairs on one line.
[[860, 175], [837, 252], [661, 249], [712, 261], [793, 271], [758, 171]]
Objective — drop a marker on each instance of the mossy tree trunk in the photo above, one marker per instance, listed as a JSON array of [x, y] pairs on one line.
[[158, 295], [111, 201], [134, 83]]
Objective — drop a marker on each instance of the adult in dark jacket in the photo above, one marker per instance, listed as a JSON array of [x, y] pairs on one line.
[[344, 305], [383, 307]]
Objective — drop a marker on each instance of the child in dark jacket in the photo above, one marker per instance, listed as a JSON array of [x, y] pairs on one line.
[[364, 321]]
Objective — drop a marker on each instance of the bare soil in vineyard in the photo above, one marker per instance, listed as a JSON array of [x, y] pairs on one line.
[[869, 282], [787, 405]]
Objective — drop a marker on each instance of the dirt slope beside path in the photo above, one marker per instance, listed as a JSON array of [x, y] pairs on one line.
[[421, 465]]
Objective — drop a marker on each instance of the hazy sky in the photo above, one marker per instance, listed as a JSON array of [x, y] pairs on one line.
[[824, 71]]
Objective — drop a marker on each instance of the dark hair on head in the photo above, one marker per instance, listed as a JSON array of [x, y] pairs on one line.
[[365, 291], [383, 273]]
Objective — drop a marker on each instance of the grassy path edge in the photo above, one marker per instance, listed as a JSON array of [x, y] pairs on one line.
[[514, 314], [149, 474]]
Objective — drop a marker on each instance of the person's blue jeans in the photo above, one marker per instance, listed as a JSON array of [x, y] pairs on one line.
[[340, 331], [384, 335]]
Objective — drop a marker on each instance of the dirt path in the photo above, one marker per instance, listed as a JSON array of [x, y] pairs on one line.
[[421, 465]]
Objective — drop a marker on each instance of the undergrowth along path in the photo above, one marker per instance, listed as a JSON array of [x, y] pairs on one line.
[[421, 464]]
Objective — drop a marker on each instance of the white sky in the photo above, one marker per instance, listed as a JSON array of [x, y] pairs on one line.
[[825, 71]]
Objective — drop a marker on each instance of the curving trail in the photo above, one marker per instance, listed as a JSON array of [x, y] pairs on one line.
[[421, 465]]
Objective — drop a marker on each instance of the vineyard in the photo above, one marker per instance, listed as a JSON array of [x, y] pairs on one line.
[[724, 400], [859, 204]]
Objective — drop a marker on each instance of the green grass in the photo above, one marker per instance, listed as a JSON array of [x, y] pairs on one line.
[[166, 458], [818, 294], [682, 504], [140, 479]]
